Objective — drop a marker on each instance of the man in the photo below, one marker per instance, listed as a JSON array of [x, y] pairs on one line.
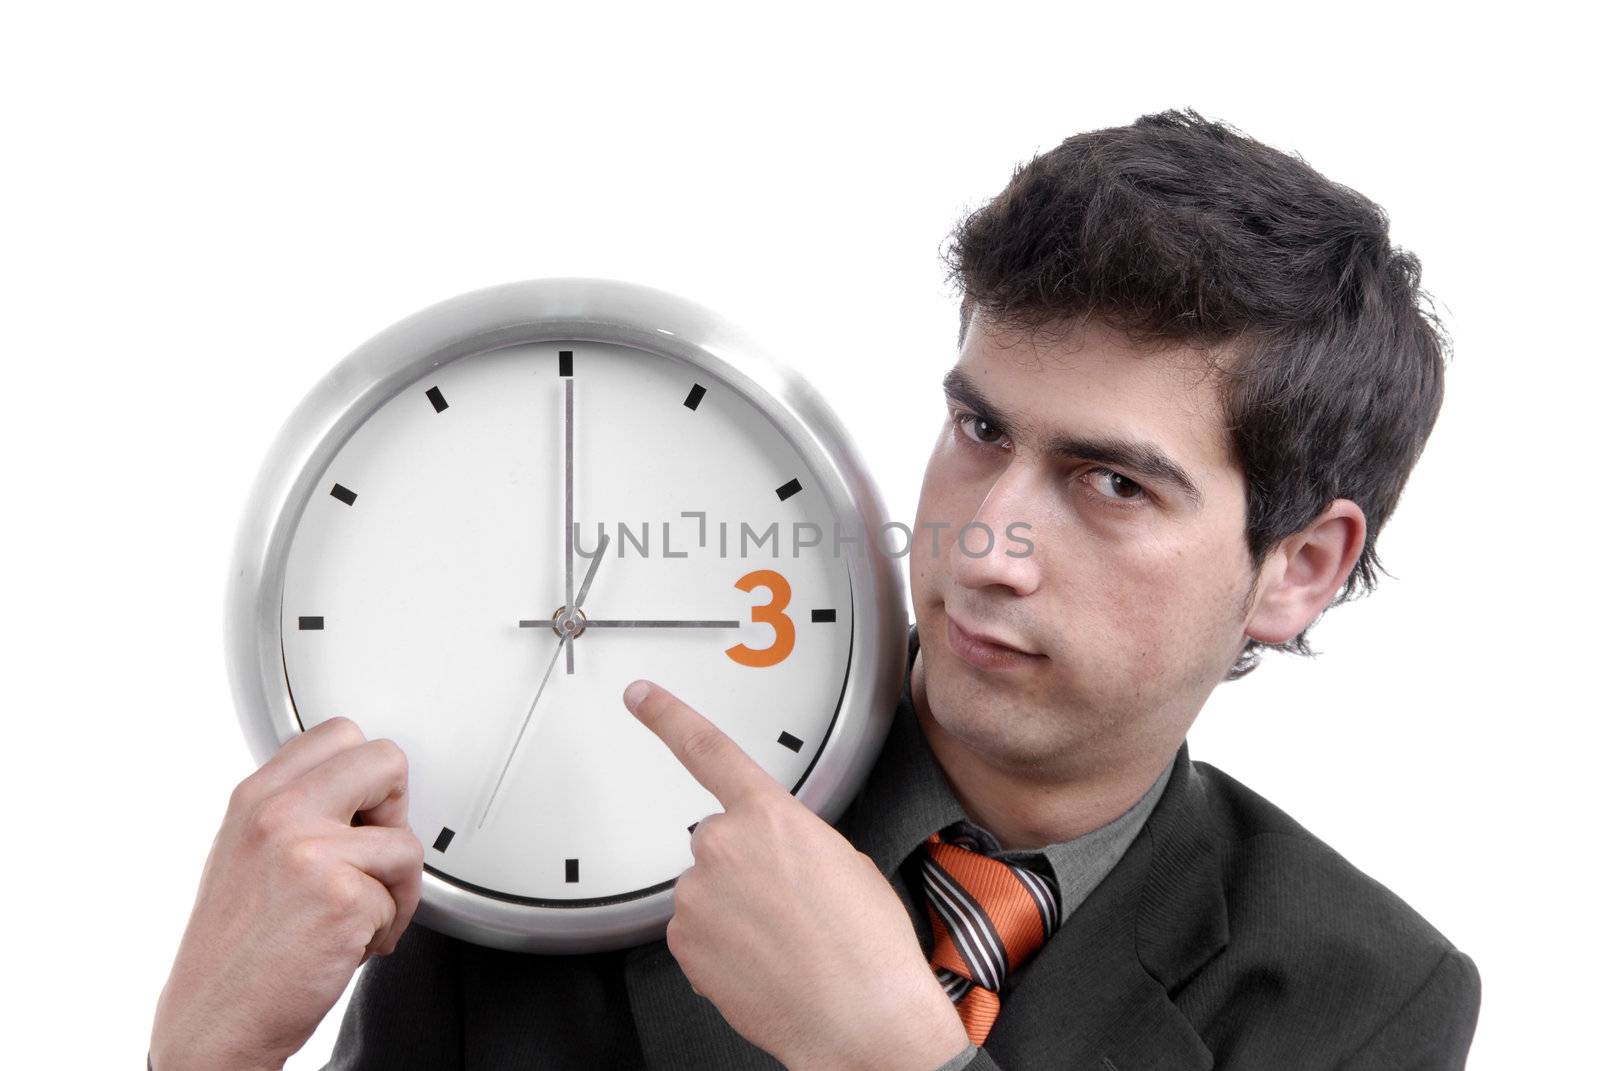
[[1198, 374]]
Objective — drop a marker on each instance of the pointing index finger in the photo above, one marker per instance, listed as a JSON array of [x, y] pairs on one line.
[[709, 754]]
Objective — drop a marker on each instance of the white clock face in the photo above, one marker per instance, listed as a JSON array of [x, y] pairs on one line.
[[437, 537]]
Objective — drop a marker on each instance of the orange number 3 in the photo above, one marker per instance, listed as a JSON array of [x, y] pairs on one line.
[[772, 613]]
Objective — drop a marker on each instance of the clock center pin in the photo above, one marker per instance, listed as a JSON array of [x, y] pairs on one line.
[[571, 622]]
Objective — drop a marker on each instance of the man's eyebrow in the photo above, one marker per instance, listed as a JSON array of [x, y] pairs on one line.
[[1143, 458]]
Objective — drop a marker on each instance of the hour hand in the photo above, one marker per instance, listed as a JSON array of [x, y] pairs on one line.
[[637, 623]]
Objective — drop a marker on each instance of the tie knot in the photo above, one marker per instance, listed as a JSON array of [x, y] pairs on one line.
[[988, 915]]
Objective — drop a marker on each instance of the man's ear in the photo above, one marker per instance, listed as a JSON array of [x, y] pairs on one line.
[[1305, 571]]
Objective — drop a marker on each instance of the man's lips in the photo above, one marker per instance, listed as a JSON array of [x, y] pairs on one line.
[[994, 639]]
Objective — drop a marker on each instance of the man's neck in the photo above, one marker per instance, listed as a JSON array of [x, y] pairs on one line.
[[1023, 811]]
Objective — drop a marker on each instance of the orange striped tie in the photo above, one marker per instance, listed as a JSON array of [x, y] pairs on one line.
[[989, 916]]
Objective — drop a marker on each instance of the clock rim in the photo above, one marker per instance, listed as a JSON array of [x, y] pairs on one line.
[[607, 311]]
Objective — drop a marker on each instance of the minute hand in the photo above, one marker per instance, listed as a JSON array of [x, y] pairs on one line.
[[568, 496]]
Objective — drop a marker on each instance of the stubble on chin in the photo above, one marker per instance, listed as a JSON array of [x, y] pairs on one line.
[[1018, 735]]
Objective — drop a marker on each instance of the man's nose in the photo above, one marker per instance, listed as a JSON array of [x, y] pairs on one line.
[[998, 545]]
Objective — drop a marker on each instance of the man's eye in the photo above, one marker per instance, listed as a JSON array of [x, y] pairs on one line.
[[1114, 485], [977, 429]]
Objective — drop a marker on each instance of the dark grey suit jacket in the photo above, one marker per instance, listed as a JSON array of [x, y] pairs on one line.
[[1226, 936]]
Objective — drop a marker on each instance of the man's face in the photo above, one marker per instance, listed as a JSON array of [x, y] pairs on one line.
[[1132, 604]]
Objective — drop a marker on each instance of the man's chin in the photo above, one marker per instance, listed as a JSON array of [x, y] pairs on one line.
[[968, 711]]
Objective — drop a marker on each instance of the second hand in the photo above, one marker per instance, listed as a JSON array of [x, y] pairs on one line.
[[525, 723], [566, 634]]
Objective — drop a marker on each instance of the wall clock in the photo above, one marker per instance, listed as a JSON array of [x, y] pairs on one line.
[[485, 522]]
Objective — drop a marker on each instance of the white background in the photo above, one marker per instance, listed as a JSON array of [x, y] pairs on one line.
[[205, 208]]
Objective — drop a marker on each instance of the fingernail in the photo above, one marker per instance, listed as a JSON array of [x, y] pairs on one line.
[[635, 694]]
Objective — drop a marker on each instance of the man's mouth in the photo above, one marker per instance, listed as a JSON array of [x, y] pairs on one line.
[[985, 648]]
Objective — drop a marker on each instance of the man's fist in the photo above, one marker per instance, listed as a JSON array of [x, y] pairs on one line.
[[293, 899]]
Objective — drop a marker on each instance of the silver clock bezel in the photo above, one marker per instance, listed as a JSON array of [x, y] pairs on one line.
[[545, 310]]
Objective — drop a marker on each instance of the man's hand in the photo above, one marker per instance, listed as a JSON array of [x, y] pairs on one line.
[[293, 899], [793, 934]]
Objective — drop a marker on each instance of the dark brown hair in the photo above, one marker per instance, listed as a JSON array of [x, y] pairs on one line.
[[1180, 229]]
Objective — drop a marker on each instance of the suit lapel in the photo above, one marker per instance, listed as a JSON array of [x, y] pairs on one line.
[[1100, 989]]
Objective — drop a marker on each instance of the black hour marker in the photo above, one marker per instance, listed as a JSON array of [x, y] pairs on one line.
[[693, 401], [344, 494], [310, 624], [442, 841], [822, 615], [566, 370], [789, 489], [793, 743], [439, 404], [572, 870]]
